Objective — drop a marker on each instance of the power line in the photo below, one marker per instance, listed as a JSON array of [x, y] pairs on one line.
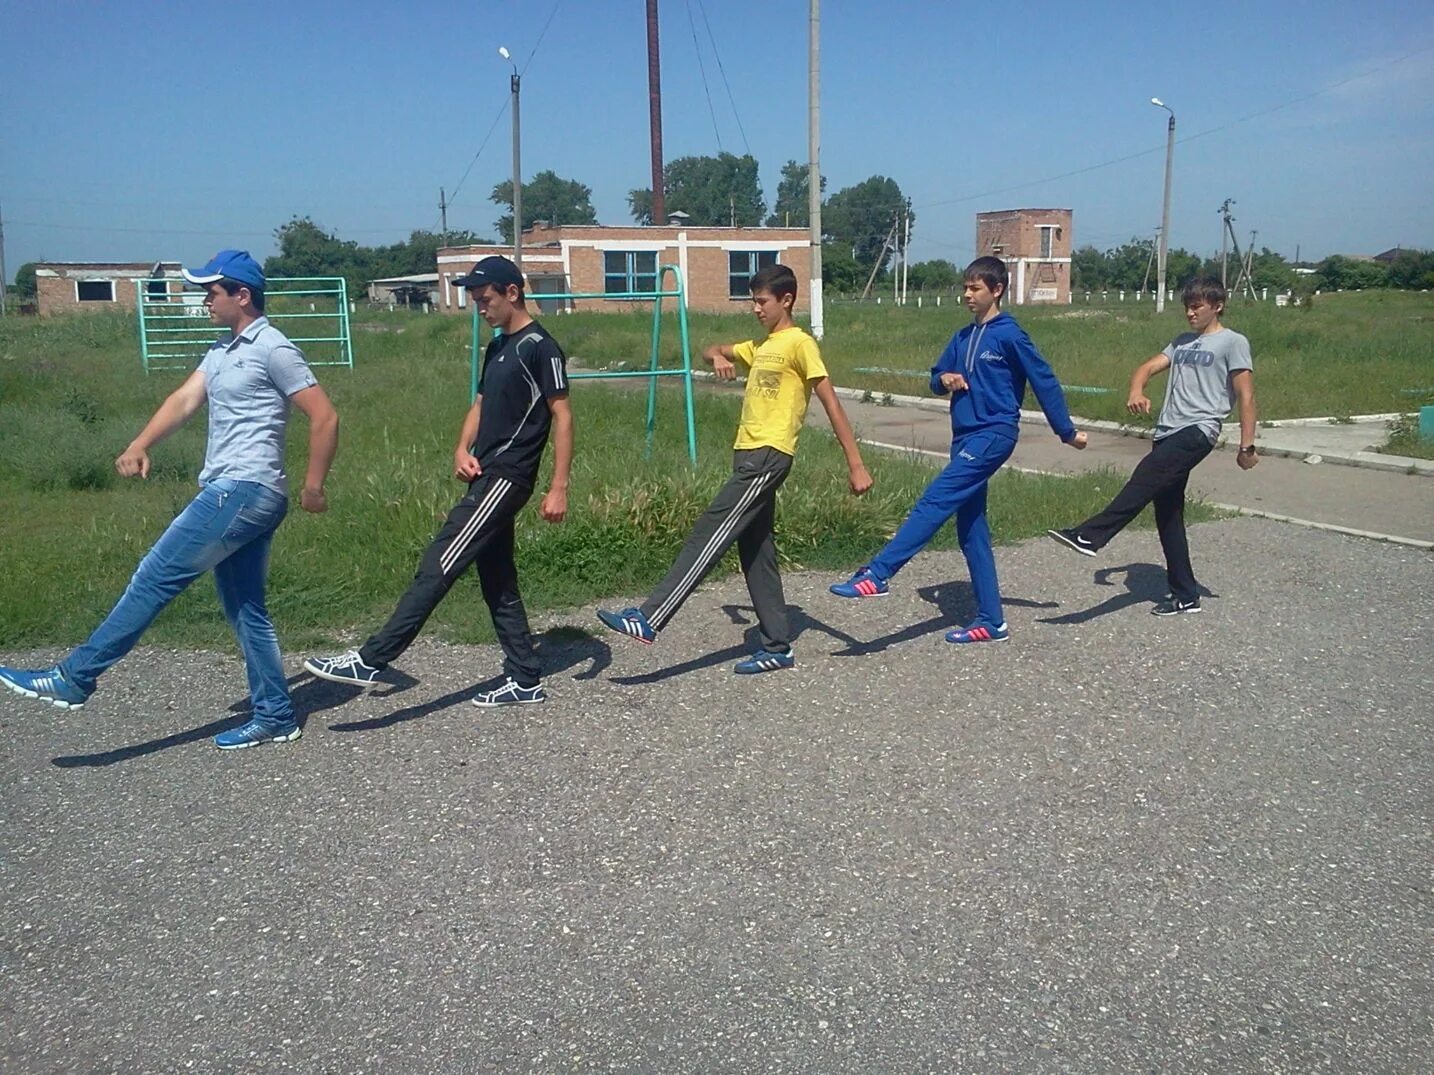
[[717, 55], [1188, 138], [697, 47], [504, 107]]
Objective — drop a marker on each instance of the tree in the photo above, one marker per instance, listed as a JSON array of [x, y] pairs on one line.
[[419, 254], [793, 208], [305, 249], [1411, 269], [840, 272], [712, 191], [547, 197], [861, 216], [1090, 270], [25, 280], [1339, 273], [936, 275]]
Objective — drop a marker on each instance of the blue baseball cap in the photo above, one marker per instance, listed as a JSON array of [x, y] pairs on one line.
[[234, 265]]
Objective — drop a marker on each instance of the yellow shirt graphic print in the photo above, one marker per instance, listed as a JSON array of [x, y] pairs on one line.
[[781, 370]]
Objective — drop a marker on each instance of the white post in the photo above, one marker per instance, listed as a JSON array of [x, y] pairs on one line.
[[814, 168]]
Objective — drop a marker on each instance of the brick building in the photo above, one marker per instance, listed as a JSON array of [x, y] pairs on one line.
[[1036, 246], [67, 286], [716, 263]]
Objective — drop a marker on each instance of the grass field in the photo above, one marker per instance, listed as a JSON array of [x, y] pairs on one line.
[[72, 395], [1352, 353]]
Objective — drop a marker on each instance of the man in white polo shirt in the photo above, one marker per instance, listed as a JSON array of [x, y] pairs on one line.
[[249, 377]]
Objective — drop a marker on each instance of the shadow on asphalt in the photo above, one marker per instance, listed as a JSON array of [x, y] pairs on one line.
[[310, 696], [1144, 584], [558, 649], [956, 606]]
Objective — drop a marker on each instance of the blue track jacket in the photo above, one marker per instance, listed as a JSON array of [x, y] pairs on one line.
[[997, 358]]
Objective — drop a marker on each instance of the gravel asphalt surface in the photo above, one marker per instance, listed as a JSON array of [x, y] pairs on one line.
[[1115, 843]]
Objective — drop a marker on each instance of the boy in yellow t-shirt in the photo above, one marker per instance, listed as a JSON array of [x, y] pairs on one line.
[[784, 369]]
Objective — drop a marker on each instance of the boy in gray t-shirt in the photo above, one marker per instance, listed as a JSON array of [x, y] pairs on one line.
[[1210, 372]]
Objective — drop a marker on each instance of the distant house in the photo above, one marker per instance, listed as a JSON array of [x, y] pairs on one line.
[[1392, 253], [716, 263], [412, 290], [68, 286], [1035, 244]]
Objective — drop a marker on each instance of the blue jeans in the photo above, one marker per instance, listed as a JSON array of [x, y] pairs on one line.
[[958, 490], [228, 527]]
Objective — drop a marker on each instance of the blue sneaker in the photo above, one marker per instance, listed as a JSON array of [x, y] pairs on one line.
[[978, 632], [345, 668], [862, 584], [630, 622], [45, 685], [765, 660], [256, 732], [510, 692]]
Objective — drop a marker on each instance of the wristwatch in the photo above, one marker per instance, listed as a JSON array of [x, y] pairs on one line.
[[1247, 449]]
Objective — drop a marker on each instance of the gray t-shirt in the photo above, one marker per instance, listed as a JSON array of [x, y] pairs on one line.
[[249, 379], [1199, 391]]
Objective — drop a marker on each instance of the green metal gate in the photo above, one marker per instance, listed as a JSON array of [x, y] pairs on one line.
[[313, 311]]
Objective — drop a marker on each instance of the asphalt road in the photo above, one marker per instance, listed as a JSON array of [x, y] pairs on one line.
[[1115, 843]]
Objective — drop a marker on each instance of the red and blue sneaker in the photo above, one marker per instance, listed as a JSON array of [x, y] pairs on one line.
[[978, 632], [862, 584]]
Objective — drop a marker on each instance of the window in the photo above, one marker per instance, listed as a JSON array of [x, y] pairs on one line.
[[462, 297], [629, 270], [1048, 236], [95, 290], [156, 290], [742, 265]]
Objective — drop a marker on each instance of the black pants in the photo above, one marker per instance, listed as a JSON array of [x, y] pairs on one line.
[[1159, 478], [478, 530], [742, 511]]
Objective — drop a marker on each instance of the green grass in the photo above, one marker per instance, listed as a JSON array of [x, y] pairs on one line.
[[72, 394], [1351, 353], [1404, 439]]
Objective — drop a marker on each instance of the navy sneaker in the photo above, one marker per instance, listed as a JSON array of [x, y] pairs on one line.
[[258, 731], [45, 685], [978, 632], [510, 692], [1071, 539], [1176, 606], [862, 584], [345, 668], [765, 660], [630, 622]]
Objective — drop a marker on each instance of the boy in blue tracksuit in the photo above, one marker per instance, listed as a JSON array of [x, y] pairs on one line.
[[985, 369]]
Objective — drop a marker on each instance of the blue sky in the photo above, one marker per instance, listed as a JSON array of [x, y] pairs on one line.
[[166, 130]]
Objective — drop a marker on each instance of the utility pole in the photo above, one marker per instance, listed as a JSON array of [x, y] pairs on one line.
[[1165, 213], [906, 254], [443, 213], [654, 116], [814, 169], [515, 84], [1224, 238], [2, 261]]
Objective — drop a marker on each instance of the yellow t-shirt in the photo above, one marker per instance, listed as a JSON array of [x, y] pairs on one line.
[[781, 370]]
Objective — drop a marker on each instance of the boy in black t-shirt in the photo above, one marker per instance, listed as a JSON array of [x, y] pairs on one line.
[[522, 396]]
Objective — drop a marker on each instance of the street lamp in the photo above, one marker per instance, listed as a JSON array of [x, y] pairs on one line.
[[517, 165], [1165, 214]]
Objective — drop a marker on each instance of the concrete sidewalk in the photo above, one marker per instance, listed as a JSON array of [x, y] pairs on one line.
[[1390, 504]]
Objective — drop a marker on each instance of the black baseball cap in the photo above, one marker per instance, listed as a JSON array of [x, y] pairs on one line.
[[495, 270]]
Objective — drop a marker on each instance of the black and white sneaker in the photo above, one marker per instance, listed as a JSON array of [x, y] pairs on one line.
[[1175, 606], [1071, 539], [345, 668], [510, 692]]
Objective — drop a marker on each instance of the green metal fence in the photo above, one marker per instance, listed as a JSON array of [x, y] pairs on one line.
[[653, 372], [313, 311]]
